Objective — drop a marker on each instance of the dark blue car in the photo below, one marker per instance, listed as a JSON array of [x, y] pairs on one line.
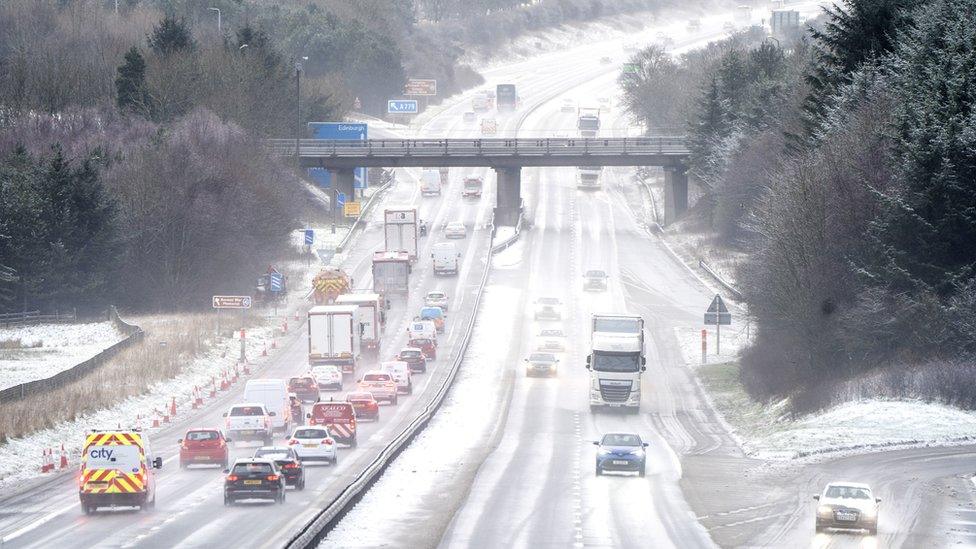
[[620, 452]]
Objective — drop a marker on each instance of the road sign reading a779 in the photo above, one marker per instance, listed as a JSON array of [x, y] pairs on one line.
[[231, 302]]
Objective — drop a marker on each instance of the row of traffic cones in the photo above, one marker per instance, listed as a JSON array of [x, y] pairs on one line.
[[47, 460]]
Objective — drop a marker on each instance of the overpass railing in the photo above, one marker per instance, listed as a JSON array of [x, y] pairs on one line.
[[552, 146]]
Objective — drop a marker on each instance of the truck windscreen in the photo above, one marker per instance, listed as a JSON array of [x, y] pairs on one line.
[[617, 325], [589, 123], [616, 362], [506, 95]]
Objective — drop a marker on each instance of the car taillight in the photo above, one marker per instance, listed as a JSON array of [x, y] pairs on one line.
[[292, 442], [231, 478], [291, 466], [327, 441], [272, 477]]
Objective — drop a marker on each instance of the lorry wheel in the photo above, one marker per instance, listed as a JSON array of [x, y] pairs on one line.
[[593, 409], [87, 509], [354, 443]]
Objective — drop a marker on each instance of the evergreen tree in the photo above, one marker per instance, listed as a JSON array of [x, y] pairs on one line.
[[930, 235], [130, 84], [710, 125], [733, 79], [171, 36], [861, 31]]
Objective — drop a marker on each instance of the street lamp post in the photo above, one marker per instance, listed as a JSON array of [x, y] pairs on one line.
[[219, 29], [298, 110]]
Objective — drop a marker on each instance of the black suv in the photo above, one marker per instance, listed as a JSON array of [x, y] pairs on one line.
[[254, 478], [288, 463]]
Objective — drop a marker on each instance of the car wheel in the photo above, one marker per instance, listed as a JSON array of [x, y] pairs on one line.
[[335, 460], [301, 484], [87, 509], [873, 530], [228, 501], [182, 464], [281, 498], [224, 464], [598, 471], [642, 469], [396, 399], [593, 408], [410, 389]]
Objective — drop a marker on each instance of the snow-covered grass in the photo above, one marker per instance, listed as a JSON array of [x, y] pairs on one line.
[[766, 431], [733, 339], [28, 353]]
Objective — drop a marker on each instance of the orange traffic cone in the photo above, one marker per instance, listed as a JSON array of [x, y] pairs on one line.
[[264, 352], [274, 343], [64, 458], [172, 407], [43, 461], [155, 423], [284, 327]]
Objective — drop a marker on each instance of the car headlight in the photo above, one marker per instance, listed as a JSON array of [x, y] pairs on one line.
[[603, 452], [638, 453], [825, 510]]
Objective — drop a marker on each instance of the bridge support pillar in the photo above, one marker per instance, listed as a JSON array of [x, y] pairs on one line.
[[675, 192], [508, 196], [344, 183]]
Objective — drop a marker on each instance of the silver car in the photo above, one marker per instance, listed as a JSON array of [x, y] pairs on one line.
[[848, 506], [436, 299], [541, 363], [548, 308], [595, 279], [455, 229]]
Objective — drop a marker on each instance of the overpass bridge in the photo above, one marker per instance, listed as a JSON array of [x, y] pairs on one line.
[[506, 156]]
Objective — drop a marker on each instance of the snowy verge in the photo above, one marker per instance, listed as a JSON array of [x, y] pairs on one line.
[[29, 353], [765, 431]]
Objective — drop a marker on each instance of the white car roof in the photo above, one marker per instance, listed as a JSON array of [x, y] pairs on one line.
[[849, 484], [248, 404]]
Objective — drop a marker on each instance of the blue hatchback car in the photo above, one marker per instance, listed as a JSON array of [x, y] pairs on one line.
[[620, 452]]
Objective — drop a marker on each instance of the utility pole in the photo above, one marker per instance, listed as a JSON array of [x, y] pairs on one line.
[[219, 29], [298, 114]]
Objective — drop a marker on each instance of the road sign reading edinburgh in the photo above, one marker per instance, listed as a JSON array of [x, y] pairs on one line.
[[231, 302]]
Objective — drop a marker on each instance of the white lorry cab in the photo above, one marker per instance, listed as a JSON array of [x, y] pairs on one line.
[[616, 361], [447, 258], [273, 393], [430, 183]]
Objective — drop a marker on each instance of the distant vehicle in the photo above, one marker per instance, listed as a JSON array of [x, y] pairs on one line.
[[338, 417], [329, 284], [568, 105], [371, 319], [391, 273], [541, 363], [481, 102], [548, 308], [422, 329], [400, 229], [595, 279], [287, 462], [848, 506], [415, 359], [446, 258], [470, 116], [436, 299], [250, 421], [604, 104], [430, 183], [621, 452], [254, 478], [589, 177], [506, 97], [551, 340], [471, 187], [427, 346], [333, 338], [365, 405], [402, 375], [273, 393], [305, 388], [314, 444], [381, 384], [694, 25], [328, 377], [455, 229], [118, 469], [436, 315], [588, 122], [489, 126], [203, 447], [616, 362]]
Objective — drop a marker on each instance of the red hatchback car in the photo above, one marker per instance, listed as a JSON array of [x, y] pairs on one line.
[[203, 447], [305, 388], [365, 405], [427, 346]]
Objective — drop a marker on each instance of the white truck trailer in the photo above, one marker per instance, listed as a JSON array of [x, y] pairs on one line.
[[333, 336]]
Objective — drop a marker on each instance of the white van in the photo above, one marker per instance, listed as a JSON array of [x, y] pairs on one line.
[[447, 258], [273, 393], [430, 183]]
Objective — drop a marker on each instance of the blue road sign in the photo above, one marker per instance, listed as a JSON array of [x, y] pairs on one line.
[[401, 106], [277, 282], [340, 131], [309, 237], [340, 198]]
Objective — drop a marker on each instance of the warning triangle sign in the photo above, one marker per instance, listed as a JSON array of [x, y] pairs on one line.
[[718, 305]]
